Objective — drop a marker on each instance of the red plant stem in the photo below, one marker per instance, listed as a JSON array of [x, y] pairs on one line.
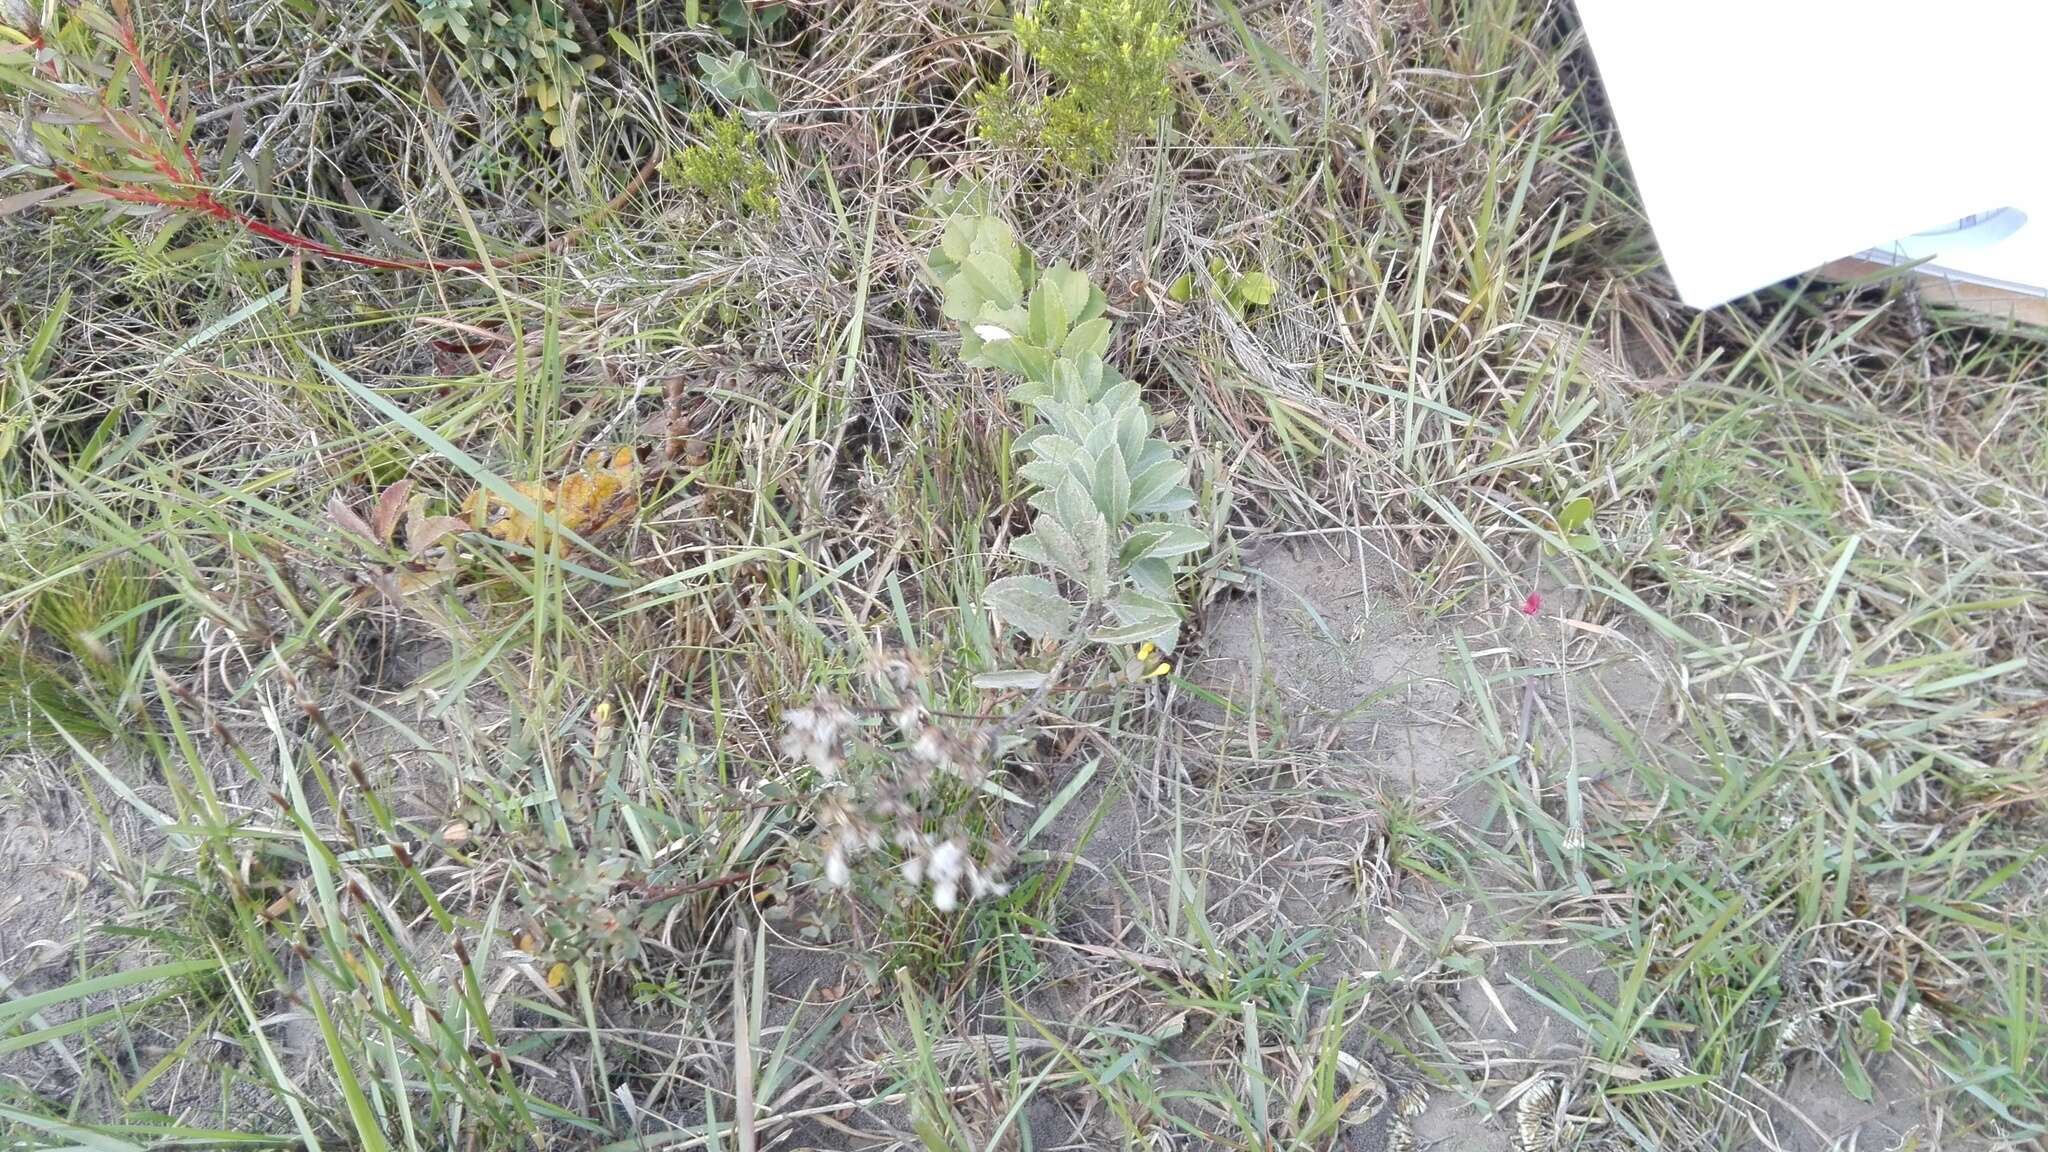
[[205, 205], [133, 48], [204, 202], [192, 176]]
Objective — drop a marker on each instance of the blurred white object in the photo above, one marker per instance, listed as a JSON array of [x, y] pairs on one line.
[[1769, 138]]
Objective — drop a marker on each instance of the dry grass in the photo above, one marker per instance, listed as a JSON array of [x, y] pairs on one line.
[[1740, 824]]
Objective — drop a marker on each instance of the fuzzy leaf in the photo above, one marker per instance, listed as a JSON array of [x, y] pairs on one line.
[[995, 278], [1089, 338], [1058, 546], [1140, 618], [1074, 291], [1152, 577], [1048, 315], [1155, 491], [1072, 502], [1111, 484], [1014, 678], [1132, 426], [1031, 546], [735, 78], [1032, 604], [1173, 541]]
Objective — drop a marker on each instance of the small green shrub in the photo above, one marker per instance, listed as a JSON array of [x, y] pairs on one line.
[[1111, 519], [531, 43], [1109, 530], [725, 166], [1107, 60]]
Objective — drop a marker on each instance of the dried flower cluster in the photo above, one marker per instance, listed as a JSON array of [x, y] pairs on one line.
[[886, 783]]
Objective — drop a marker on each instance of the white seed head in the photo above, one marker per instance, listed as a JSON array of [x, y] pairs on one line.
[[817, 734], [947, 862], [1801, 1030], [1922, 1024]]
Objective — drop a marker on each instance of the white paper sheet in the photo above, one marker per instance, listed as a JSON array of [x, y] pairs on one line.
[[1768, 137]]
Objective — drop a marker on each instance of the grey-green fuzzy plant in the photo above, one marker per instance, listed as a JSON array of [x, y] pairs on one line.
[[1111, 524]]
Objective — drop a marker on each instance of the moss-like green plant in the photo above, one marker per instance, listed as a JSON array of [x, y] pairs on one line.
[[1111, 511], [725, 166], [1107, 60]]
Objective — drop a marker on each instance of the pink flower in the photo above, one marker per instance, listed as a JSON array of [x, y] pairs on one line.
[[1533, 604]]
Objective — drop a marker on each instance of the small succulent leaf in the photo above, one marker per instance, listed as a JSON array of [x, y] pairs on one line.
[[1254, 288], [1575, 515]]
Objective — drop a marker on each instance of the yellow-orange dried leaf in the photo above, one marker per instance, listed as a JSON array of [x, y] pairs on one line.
[[476, 508], [596, 498]]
